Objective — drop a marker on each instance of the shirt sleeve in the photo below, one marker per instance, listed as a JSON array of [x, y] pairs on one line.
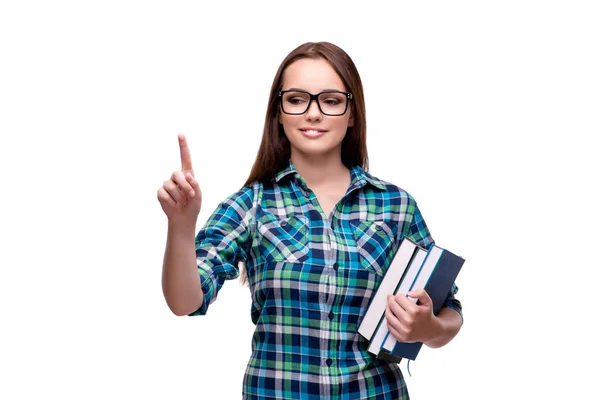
[[453, 303], [224, 240], [417, 230], [419, 233]]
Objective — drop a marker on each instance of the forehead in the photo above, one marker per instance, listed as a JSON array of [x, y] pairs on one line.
[[312, 75]]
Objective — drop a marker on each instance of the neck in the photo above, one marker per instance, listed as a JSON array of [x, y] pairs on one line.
[[321, 170]]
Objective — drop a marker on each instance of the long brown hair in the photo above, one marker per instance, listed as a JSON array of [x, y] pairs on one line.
[[274, 151]]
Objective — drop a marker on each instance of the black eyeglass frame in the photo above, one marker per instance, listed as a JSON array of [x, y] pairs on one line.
[[316, 98]]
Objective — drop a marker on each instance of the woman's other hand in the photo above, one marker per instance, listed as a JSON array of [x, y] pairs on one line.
[[411, 322]]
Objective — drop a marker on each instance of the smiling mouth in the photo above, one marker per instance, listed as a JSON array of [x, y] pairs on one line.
[[312, 133]]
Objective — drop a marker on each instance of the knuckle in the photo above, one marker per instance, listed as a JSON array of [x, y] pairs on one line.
[[170, 185]]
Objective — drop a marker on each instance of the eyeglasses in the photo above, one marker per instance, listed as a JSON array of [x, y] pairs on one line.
[[330, 102]]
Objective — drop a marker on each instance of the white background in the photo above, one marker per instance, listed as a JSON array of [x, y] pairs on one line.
[[488, 114]]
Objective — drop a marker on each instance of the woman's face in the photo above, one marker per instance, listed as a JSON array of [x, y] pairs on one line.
[[314, 133]]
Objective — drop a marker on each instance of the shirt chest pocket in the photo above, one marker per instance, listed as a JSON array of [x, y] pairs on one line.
[[374, 244], [283, 239]]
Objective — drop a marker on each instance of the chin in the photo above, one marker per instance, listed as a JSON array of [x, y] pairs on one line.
[[323, 145], [316, 149]]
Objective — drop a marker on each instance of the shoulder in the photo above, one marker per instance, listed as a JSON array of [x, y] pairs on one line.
[[241, 197], [393, 191], [239, 202]]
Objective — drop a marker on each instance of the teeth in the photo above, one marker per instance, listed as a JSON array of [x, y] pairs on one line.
[[312, 132]]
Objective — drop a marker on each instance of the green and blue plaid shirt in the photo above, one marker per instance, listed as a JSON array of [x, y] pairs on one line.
[[311, 279]]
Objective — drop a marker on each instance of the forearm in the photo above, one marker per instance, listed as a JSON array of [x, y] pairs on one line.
[[449, 323], [180, 279]]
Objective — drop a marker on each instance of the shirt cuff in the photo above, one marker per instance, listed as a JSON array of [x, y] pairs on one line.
[[456, 306], [208, 288]]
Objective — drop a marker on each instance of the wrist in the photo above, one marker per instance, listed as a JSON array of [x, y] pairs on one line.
[[437, 330], [184, 226]]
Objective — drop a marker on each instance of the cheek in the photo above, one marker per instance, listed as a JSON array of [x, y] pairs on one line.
[[287, 121], [344, 124]]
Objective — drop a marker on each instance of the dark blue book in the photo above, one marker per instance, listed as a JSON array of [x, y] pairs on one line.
[[437, 274]]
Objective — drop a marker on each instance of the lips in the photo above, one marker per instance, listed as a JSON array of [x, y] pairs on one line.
[[312, 133]]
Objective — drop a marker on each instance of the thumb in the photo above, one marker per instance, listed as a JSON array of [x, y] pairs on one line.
[[193, 183], [422, 296]]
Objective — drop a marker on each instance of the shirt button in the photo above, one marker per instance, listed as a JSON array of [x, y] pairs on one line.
[[329, 362], [330, 315], [283, 223], [336, 266], [378, 227]]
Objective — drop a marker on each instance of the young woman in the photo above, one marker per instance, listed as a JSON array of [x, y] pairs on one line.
[[316, 232]]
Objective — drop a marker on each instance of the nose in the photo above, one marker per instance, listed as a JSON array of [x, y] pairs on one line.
[[313, 113]]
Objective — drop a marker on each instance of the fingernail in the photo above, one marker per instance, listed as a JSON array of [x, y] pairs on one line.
[[192, 193]]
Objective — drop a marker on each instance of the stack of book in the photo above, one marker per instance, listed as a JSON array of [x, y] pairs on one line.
[[413, 267]]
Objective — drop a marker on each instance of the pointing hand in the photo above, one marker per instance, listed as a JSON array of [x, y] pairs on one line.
[[180, 196]]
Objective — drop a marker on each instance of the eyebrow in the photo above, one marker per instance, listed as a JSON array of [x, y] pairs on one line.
[[325, 90]]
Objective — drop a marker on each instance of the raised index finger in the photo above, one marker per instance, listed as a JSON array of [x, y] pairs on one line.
[[184, 150]]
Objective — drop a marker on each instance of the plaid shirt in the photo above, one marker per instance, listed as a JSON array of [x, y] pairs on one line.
[[311, 280]]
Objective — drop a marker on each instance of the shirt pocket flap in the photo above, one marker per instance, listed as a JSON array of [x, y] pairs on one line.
[[284, 239], [374, 244]]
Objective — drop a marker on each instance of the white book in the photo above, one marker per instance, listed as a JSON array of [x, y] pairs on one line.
[[405, 287], [378, 337], [388, 284], [419, 282], [381, 334]]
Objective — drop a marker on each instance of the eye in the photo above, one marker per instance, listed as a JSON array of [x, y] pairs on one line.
[[331, 101], [295, 100]]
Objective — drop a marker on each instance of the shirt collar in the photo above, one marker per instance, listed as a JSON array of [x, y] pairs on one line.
[[358, 177]]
